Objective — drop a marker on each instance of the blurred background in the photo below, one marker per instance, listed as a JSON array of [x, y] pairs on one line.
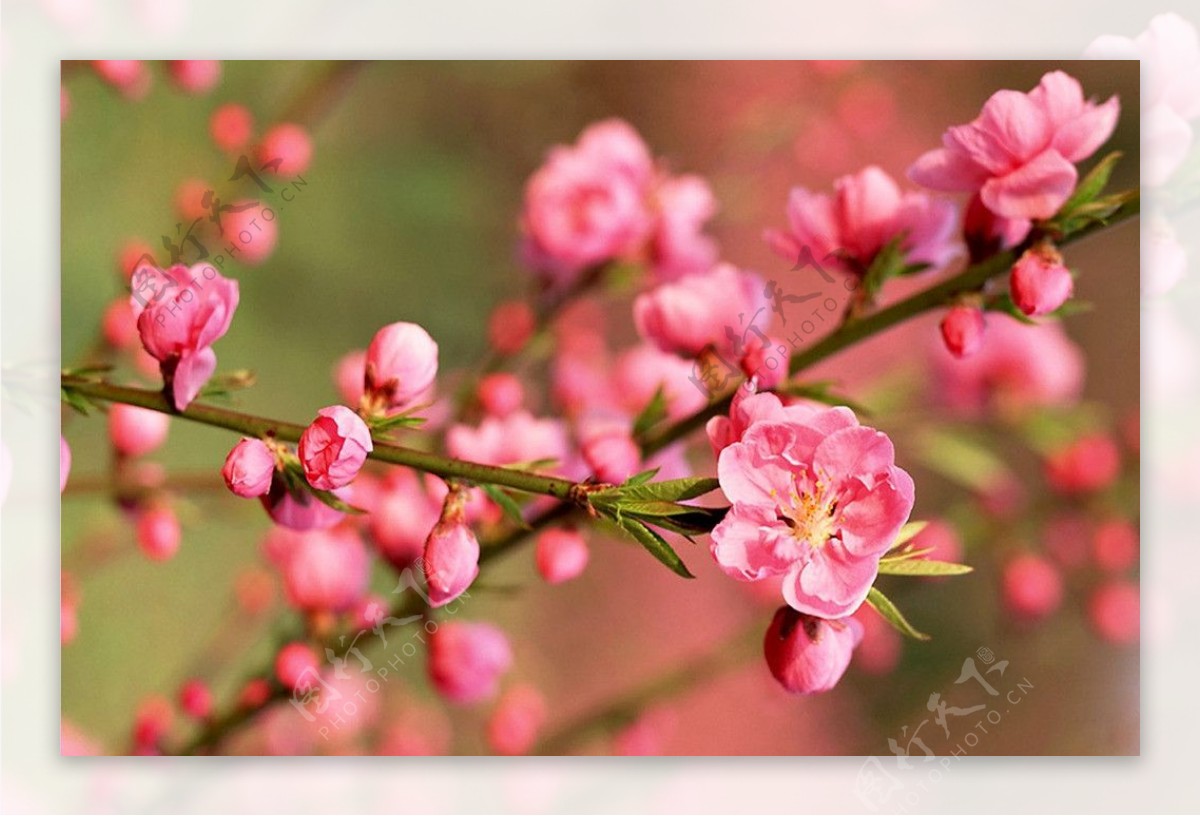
[[409, 213]]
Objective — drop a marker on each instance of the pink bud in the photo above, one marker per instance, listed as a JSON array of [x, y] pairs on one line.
[[402, 517], [151, 723], [962, 330], [136, 431], [130, 77], [231, 126], [451, 554], [510, 326], [158, 532], [64, 463], [249, 468], [252, 229], [295, 662], [1090, 463], [326, 570], [611, 453], [500, 394], [304, 512], [285, 150], [561, 555], [809, 655], [1115, 612], [119, 324], [196, 699], [1115, 545], [1039, 282], [195, 76], [516, 721], [1032, 586], [334, 447], [466, 660], [402, 362], [369, 612], [710, 309], [348, 376]]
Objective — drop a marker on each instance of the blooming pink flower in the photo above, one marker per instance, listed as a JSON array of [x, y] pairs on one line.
[[64, 462], [809, 655], [516, 721], [610, 450], [466, 660], [1032, 586], [1039, 282], [962, 330], [158, 532], [746, 409], [296, 665], [181, 313], [401, 517], [231, 126], [326, 570], [818, 498], [561, 555], [334, 447], [717, 309], [518, 437], [402, 362], [249, 468], [451, 558], [678, 245], [866, 212], [285, 150], [136, 431], [1020, 153], [587, 203], [1088, 464], [1115, 611], [500, 394], [196, 699], [195, 76]]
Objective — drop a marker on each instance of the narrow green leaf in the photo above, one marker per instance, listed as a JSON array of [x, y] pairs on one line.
[[671, 490], [654, 413], [506, 503], [963, 460], [892, 615], [399, 421], [333, 501], [656, 545], [1092, 184], [907, 533], [903, 554], [76, 400], [640, 478], [921, 566]]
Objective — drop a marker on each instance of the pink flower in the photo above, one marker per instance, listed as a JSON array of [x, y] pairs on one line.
[[402, 517], [1039, 282], [158, 532], [516, 721], [817, 498], [1115, 611], [809, 655], [181, 313], [610, 451], [136, 431], [714, 309], [560, 555], [285, 149], [500, 394], [1032, 586], [334, 447], [644, 369], [451, 558], [301, 511], [249, 468], [518, 437], [746, 409], [326, 570], [962, 330], [296, 665], [587, 203], [1020, 153], [402, 362], [1089, 464], [867, 211], [678, 245], [466, 660], [64, 462]]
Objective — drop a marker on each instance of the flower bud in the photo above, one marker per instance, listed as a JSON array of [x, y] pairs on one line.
[[516, 721], [809, 655], [401, 518], [451, 558], [294, 663], [130, 77], [231, 126], [561, 555], [158, 532], [710, 309], [249, 468], [302, 512], [1032, 587], [510, 326], [611, 453], [136, 431], [326, 570], [252, 228], [1115, 611], [196, 699], [194, 76], [285, 149], [333, 448], [962, 330], [500, 394], [151, 723], [1039, 282], [402, 362], [466, 660], [1090, 463], [348, 376]]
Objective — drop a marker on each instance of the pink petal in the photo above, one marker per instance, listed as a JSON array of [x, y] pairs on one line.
[[830, 585], [947, 170], [191, 374], [1061, 96], [751, 473], [869, 523], [854, 452], [743, 544], [1083, 135], [1011, 129], [1035, 190], [811, 219], [867, 203]]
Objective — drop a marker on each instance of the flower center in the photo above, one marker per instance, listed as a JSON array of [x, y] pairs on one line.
[[812, 516]]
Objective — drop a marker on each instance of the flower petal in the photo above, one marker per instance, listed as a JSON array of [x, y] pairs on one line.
[[743, 544], [871, 521], [830, 585], [1035, 190], [947, 170]]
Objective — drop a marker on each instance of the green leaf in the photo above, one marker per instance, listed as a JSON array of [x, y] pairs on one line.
[[907, 533], [679, 518], [640, 478], [333, 501], [671, 490], [907, 565], [887, 264], [384, 424], [892, 615], [961, 459], [506, 503], [1092, 184], [85, 370], [76, 400], [656, 545], [654, 413]]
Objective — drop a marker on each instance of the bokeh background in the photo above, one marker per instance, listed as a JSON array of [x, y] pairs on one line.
[[410, 214]]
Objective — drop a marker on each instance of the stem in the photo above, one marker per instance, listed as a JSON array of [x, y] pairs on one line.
[[971, 279], [256, 426]]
